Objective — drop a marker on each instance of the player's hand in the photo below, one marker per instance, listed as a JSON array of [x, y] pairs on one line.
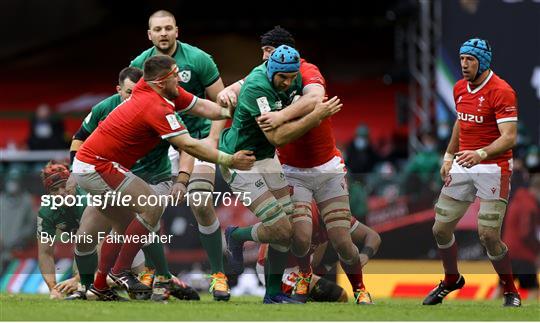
[[179, 191], [67, 286], [445, 169], [227, 99], [363, 260], [271, 120], [55, 294], [243, 160], [328, 108], [468, 158], [71, 185]]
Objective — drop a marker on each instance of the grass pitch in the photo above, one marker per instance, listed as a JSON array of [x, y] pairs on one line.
[[39, 308]]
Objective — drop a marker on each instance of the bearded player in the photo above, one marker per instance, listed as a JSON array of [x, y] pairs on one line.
[[477, 163]]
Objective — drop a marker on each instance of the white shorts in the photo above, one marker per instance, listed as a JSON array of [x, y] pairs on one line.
[[321, 183], [174, 156], [104, 176], [487, 181], [265, 175]]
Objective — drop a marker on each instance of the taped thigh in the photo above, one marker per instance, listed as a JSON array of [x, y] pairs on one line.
[[269, 211], [302, 212], [491, 213], [336, 214], [449, 210]]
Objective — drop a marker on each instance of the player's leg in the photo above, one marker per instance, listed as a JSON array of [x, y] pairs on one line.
[[456, 195], [202, 183], [274, 227], [93, 226], [490, 219], [493, 184]]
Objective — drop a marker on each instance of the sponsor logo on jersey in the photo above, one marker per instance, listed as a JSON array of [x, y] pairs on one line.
[[173, 122], [279, 105], [259, 183], [510, 109], [263, 104], [184, 76], [470, 117]]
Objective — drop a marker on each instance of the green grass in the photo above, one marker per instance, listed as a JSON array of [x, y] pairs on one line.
[[39, 308]]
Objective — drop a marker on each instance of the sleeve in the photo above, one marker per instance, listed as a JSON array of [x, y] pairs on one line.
[[311, 76], [505, 103], [166, 122], [91, 121], [45, 224], [185, 101], [207, 69]]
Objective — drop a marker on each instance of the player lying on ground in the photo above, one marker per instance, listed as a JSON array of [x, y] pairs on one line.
[[323, 258]]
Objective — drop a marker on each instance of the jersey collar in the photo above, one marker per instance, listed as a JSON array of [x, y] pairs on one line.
[[479, 87]]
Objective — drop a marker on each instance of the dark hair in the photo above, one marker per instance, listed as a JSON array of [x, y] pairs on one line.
[[161, 13], [276, 37], [157, 66], [134, 74]]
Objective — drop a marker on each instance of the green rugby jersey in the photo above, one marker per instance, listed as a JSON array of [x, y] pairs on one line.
[[257, 96], [153, 168], [197, 71], [64, 218]]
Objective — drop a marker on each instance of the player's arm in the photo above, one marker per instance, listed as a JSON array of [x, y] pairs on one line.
[[242, 160], [212, 92], [369, 239], [506, 141], [298, 109], [295, 129], [451, 150], [207, 109], [185, 169], [47, 267], [228, 97]]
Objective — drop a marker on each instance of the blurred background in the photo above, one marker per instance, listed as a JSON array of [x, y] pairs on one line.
[[392, 63]]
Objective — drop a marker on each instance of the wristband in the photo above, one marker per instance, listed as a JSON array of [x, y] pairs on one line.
[[225, 113], [368, 251], [183, 182], [482, 153], [448, 157], [72, 154], [224, 159]]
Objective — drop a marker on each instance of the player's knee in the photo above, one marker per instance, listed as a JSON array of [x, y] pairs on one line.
[[489, 239], [301, 244], [441, 232]]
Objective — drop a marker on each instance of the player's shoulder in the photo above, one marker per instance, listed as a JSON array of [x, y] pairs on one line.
[[500, 84], [461, 85], [107, 105], [193, 52], [139, 60]]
